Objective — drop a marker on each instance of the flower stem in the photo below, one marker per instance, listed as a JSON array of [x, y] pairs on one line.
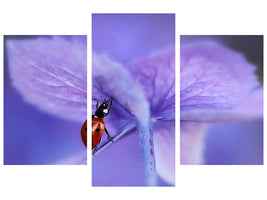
[[147, 147]]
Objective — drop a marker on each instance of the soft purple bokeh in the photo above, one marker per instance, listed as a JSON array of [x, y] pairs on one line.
[[235, 144], [42, 118], [130, 54], [219, 86]]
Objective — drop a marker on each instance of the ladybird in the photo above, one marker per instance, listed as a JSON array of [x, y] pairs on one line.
[[98, 124]]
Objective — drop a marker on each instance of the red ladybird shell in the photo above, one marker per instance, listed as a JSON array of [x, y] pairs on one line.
[[84, 133], [98, 128]]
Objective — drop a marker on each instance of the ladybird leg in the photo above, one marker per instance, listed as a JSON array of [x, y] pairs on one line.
[[96, 103], [111, 99], [109, 137], [96, 147]]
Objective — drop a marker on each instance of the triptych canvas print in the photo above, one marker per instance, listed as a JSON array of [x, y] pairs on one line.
[[148, 87]]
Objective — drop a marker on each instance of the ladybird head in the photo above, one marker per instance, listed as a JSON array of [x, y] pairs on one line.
[[104, 108], [104, 104]]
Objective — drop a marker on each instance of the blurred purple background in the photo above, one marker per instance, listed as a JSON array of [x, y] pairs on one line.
[[32, 136], [235, 144], [126, 38]]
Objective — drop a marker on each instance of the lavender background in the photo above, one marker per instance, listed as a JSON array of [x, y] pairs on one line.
[[32, 136], [235, 144], [127, 37]]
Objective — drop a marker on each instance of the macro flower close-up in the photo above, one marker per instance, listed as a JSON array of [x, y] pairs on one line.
[[133, 62], [221, 100], [45, 99]]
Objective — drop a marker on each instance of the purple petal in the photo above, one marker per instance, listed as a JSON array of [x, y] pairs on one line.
[[250, 109], [192, 143], [164, 141], [50, 73], [156, 76], [217, 83]]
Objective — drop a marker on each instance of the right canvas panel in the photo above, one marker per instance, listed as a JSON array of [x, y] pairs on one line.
[[221, 100]]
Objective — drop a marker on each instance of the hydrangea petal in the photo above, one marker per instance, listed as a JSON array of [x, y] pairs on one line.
[[192, 143], [249, 109], [164, 141], [215, 80], [50, 73], [156, 76]]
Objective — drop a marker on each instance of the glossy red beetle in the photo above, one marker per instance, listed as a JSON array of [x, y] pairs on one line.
[[98, 124]]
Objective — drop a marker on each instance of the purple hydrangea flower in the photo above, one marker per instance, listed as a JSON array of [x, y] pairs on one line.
[[49, 72], [143, 101], [218, 85]]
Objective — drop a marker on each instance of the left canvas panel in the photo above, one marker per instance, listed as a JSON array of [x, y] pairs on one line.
[[45, 99]]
